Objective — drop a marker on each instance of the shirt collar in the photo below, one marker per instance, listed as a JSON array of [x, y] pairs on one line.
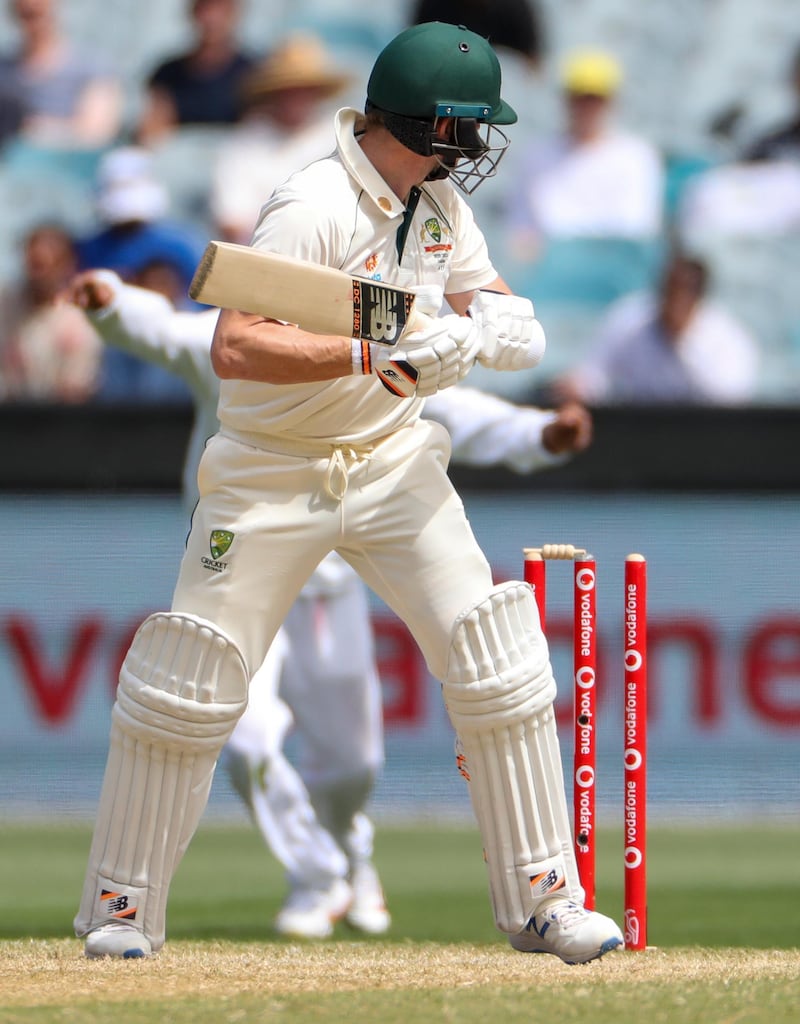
[[348, 121]]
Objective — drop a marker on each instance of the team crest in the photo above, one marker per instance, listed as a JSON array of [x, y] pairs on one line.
[[371, 263], [220, 541], [434, 229], [437, 243]]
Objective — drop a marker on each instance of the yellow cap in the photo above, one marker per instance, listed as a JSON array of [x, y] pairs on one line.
[[591, 73]]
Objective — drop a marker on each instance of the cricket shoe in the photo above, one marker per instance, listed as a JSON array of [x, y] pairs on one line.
[[569, 931], [311, 913], [368, 911], [116, 939]]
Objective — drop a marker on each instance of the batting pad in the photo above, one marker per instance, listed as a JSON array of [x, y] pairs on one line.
[[182, 687], [499, 691]]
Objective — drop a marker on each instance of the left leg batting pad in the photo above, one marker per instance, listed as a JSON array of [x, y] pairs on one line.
[[499, 691], [182, 688]]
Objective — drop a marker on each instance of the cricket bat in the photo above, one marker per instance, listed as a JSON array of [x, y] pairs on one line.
[[318, 299]]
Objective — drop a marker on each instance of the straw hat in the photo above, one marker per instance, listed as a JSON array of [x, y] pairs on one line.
[[298, 63]]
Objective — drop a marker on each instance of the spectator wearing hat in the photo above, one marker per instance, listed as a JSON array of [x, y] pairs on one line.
[[140, 242], [201, 86], [285, 125], [593, 178], [132, 205]]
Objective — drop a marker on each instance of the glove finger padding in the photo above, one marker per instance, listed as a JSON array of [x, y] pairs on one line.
[[439, 356], [511, 336]]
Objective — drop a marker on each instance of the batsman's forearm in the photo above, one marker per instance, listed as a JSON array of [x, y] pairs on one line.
[[247, 347]]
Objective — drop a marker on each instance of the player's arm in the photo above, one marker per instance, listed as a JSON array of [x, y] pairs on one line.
[[249, 347], [460, 302], [486, 430], [144, 323]]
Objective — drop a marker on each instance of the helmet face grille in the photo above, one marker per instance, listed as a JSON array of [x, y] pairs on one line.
[[472, 152], [469, 154]]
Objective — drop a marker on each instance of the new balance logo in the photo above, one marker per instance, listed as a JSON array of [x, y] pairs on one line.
[[383, 318], [117, 904], [548, 881]]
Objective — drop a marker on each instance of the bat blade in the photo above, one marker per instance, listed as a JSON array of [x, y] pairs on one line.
[[318, 299]]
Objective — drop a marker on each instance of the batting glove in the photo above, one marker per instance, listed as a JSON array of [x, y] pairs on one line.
[[425, 361], [511, 336]]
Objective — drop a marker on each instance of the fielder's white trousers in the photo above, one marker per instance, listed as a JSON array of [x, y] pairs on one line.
[[319, 682]]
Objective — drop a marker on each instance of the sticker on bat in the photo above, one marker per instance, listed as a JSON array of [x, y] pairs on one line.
[[380, 313]]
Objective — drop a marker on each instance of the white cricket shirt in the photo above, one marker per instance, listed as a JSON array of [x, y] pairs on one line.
[[339, 212]]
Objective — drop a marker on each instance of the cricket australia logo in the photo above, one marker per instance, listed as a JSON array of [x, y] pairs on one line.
[[434, 229], [218, 544], [436, 241]]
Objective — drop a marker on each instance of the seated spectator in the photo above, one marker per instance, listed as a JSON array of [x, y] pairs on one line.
[[201, 86], [593, 178], [676, 346], [46, 352], [65, 99], [140, 243], [508, 24], [285, 125]]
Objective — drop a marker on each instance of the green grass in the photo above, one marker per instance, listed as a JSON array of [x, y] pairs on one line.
[[715, 887], [723, 914]]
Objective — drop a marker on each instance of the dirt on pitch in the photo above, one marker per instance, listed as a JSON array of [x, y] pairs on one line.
[[41, 973]]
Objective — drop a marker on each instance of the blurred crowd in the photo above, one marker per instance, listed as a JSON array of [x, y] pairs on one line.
[[661, 273]]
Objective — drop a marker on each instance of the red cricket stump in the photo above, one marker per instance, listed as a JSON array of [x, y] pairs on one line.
[[535, 575], [635, 751], [584, 640], [584, 682]]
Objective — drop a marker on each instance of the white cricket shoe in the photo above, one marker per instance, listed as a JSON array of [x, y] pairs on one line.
[[368, 911], [311, 913], [569, 931], [116, 939]]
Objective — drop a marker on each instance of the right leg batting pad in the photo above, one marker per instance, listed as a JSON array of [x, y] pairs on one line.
[[182, 687], [499, 692]]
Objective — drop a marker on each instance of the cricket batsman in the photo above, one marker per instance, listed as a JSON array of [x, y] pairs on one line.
[[316, 452]]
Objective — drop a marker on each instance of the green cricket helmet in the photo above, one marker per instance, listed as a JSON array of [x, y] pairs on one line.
[[434, 71]]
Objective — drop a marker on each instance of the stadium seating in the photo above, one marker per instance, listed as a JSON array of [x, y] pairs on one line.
[[701, 80], [588, 272]]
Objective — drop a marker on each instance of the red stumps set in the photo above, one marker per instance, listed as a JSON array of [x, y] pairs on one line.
[[634, 659]]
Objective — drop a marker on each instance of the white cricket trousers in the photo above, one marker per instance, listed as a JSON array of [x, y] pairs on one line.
[[396, 519]]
